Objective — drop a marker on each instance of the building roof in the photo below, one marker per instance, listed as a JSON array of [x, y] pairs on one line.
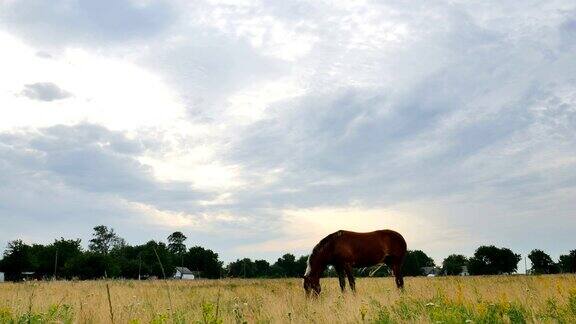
[[184, 270]]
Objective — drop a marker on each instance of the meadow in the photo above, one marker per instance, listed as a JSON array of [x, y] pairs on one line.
[[490, 299]]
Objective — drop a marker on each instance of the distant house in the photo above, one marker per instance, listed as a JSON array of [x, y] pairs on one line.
[[464, 271], [184, 273], [28, 275], [431, 271]]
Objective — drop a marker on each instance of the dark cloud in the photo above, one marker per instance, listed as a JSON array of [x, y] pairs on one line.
[[568, 31], [44, 91], [85, 21], [95, 160]]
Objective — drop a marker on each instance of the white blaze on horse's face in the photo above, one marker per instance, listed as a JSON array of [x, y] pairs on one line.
[[311, 283], [308, 268]]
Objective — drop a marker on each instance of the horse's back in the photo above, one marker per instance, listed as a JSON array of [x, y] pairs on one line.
[[369, 247], [393, 239], [383, 237]]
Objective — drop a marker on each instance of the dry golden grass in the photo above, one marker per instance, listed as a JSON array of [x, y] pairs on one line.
[[505, 299]]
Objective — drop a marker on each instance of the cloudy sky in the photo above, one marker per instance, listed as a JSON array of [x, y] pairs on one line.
[[258, 127]]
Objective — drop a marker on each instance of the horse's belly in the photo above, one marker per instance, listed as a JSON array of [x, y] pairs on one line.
[[369, 258]]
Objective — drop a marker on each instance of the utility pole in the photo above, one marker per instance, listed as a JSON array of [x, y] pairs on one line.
[[55, 263], [525, 267]]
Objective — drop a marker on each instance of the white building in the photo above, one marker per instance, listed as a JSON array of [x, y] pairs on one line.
[[183, 273], [431, 271], [1, 276]]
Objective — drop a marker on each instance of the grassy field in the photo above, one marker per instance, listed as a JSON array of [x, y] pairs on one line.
[[497, 299]]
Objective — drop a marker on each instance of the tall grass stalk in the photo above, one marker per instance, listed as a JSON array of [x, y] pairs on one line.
[[167, 285], [110, 303], [30, 303]]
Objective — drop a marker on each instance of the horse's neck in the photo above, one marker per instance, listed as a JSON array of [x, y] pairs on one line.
[[317, 264]]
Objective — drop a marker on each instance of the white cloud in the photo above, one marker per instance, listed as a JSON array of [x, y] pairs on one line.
[[108, 91], [204, 222], [452, 121]]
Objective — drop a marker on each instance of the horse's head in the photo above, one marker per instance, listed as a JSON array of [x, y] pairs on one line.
[[312, 285]]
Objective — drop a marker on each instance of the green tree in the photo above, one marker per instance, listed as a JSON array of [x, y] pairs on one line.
[[42, 259], [204, 260], [155, 256], [64, 251], [92, 265], [145, 260], [129, 260], [542, 263], [17, 258], [286, 266], [489, 260], [49, 260], [484, 261], [262, 268], [415, 261], [244, 268], [453, 264], [567, 262], [104, 239], [176, 243]]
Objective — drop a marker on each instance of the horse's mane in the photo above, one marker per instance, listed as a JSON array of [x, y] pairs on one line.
[[321, 246], [325, 241]]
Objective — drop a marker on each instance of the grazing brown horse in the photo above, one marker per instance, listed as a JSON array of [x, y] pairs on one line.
[[346, 250]]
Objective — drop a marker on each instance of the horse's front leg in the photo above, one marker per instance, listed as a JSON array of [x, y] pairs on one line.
[[340, 271], [350, 275]]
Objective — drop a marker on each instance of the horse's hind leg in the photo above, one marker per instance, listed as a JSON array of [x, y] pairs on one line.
[[397, 270], [341, 278], [350, 275]]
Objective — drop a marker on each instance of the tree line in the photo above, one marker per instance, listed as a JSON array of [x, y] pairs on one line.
[[109, 256], [489, 260]]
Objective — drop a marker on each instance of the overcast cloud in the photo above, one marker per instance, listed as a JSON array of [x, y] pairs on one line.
[[258, 127], [44, 91]]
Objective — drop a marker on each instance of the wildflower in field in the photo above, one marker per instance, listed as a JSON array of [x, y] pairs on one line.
[[363, 311]]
